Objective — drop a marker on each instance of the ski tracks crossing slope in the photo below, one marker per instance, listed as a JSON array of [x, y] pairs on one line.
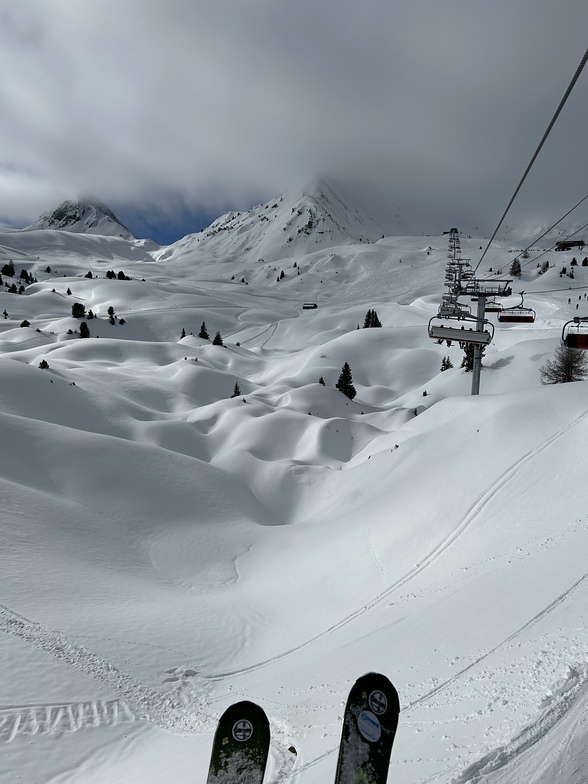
[[135, 699], [483, 500]]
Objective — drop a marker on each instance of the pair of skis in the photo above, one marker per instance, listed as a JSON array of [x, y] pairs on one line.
[[241, 742]]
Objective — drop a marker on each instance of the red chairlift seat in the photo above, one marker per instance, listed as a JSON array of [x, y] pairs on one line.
[[575, 333], [517, 315]]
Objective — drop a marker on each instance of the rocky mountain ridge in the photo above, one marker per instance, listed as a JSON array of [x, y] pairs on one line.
[[83, 217]]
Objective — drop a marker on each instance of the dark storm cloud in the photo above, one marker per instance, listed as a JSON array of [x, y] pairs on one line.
[[205, 105]]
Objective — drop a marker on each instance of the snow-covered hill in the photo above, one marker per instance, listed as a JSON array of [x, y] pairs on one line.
[[324, 213], [83, 216], [169, 548]]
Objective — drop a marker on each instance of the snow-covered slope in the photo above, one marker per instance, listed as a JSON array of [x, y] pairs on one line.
[[325, 212], [169, 549], [85, 217]]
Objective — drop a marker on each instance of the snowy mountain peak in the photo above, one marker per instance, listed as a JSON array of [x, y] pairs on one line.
[[324, 213], [83, 217]]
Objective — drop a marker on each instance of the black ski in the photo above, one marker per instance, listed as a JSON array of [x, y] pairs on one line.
[[369, 727], [240, 747]]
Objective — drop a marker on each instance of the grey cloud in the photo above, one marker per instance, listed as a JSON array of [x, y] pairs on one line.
[[212, 104]]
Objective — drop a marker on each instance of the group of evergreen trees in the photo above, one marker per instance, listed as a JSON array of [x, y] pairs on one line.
[[217, 340], [371, 319]]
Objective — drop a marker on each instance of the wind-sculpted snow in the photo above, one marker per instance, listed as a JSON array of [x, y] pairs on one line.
[[186, 525]]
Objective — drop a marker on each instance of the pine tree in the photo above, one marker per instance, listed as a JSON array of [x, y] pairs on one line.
[[183, 335], [84, 331], [236, 390], [218, 341], [371, 320], [78, 310], [203, 332], [446, 363], [515, 269], [322, 381], [467, 362], [345, 382], [43, 364], [568, 364]]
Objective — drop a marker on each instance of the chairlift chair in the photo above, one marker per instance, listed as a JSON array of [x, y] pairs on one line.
[[517, 315], [461, 334], [453, 309], [575, 333]]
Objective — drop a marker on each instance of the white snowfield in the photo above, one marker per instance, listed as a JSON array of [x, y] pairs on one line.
[[168, 549]]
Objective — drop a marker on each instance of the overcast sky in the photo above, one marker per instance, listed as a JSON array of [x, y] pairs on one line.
[[174, 112]]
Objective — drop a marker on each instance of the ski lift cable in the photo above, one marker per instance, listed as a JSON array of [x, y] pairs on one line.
[[554, 291], [540, 237], [536, 258], [537, 151]]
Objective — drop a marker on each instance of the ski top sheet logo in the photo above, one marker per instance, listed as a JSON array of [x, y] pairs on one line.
[[378, 702], [369, 726], [242, 730]]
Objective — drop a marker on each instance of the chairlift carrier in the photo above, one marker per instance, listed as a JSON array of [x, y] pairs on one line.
[[517, 314], [575, 333], [462, 334], [493, 307]]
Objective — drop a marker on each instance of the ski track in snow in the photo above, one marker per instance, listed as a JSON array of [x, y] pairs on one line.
[[136, 700], [57, 719], [376, 557], [574, 688], [474, 510], [571, 692], [536, 618], [483, 500], [271, 328]]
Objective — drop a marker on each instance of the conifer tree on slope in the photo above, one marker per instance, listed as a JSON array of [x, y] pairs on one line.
[[515, 268], [568, 364], [345, 382], [371, 319], [468, 357]]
